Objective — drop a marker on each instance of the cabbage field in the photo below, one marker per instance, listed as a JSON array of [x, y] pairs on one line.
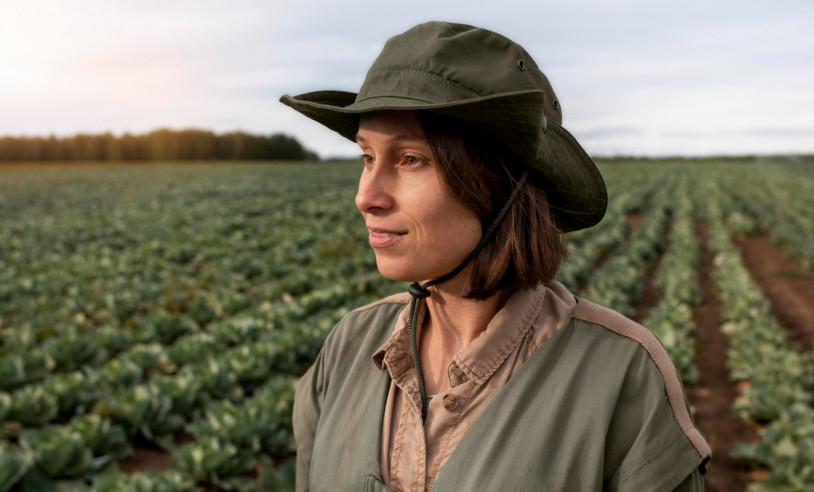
[[154, 318]]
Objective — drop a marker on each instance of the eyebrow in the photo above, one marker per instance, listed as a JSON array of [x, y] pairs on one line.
[[404, 137]]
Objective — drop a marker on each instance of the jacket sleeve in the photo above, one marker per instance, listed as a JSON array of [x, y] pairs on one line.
[[308, 401], [646, 447], [693, 483]]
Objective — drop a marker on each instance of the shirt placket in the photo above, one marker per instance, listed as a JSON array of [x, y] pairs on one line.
[[446, 411], [411, 465]]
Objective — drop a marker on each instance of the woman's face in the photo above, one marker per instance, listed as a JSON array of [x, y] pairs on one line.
[[417, 229]]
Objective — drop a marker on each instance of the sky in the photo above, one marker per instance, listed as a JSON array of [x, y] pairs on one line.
[[634, 77]]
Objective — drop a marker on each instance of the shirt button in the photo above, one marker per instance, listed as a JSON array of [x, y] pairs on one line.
[[450, 402]]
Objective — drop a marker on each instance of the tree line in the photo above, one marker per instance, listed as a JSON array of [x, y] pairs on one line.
[[159, 145]]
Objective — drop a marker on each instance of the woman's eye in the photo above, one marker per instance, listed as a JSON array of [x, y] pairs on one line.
[[411, 160], [366, 159]]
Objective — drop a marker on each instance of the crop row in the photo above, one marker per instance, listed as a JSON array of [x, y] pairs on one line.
[[589, 247], [159, 407], [230, 440], [45, 396], [69, 294], [619, 282], [773, 375], [778, 203], [208, 253], [671, 320], [586, 249]]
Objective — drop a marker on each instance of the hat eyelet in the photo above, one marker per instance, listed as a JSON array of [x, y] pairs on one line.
[[556, 104], [521, 65]]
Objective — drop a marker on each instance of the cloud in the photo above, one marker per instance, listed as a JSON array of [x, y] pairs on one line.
[[774, 132]]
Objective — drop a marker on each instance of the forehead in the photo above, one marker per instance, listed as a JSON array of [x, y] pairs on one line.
[[392, 126]]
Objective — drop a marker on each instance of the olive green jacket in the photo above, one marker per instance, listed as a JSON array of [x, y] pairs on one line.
[[598, 407]]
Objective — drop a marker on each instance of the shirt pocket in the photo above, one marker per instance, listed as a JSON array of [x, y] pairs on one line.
[[374, 484]]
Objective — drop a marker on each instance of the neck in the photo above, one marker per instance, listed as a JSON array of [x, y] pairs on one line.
[[452, 322], [458, 318]]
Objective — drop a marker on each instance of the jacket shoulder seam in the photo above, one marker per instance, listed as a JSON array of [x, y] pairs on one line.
[[611, 320]]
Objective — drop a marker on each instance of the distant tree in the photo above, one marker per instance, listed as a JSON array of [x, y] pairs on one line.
[[51, 149], [284, 147], [162, 144], [196, 144], [229, 146]]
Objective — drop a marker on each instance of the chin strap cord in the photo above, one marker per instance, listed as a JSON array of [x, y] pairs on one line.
[[421, 292]]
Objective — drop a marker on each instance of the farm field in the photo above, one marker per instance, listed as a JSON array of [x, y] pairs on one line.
[[154, 318]]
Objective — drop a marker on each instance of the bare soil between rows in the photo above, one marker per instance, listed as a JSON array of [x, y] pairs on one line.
[[785, 282], [790, 289], [146, 459], [713, 394]]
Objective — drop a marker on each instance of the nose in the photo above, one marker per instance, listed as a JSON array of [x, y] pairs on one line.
[[374, 192]]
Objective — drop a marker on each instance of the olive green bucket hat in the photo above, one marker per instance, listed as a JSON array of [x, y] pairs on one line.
[[482, 78]]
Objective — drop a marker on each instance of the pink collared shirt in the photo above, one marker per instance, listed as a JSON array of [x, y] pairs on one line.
[[412, 454]]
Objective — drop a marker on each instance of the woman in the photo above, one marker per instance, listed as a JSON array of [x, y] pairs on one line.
[[489, 375]]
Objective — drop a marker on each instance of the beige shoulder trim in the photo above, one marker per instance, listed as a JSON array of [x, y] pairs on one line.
[[400, 298], [610, 319]]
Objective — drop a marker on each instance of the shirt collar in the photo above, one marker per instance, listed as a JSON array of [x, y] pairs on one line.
[[396, 354], [547, 307]]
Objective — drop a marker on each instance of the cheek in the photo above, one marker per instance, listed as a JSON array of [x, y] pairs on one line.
[[441, 224], [456, 228], [437, 210], [468, 228]]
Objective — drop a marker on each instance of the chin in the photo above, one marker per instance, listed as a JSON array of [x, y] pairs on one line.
[[397, 276], [398, 271], [405, 271]]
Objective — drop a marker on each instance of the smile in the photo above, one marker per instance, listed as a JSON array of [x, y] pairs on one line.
[[380, 238]]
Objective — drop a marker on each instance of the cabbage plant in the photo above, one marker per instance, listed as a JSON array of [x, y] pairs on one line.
[[14, 463]]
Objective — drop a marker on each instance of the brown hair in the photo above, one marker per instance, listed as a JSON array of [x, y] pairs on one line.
[[527, 247]]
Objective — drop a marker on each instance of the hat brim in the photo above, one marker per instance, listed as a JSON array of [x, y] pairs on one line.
[[574, 186]]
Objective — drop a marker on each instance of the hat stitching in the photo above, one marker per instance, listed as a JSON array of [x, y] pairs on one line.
[[526, 59], [315, 98], [498, 36], [418, 70], [401, 95], [506, 109]]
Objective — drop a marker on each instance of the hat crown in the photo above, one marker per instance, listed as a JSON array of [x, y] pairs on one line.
[[481, 78], [440, 62]]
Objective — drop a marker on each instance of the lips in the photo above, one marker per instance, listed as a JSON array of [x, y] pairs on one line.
[[384, 234], [380, 238]]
